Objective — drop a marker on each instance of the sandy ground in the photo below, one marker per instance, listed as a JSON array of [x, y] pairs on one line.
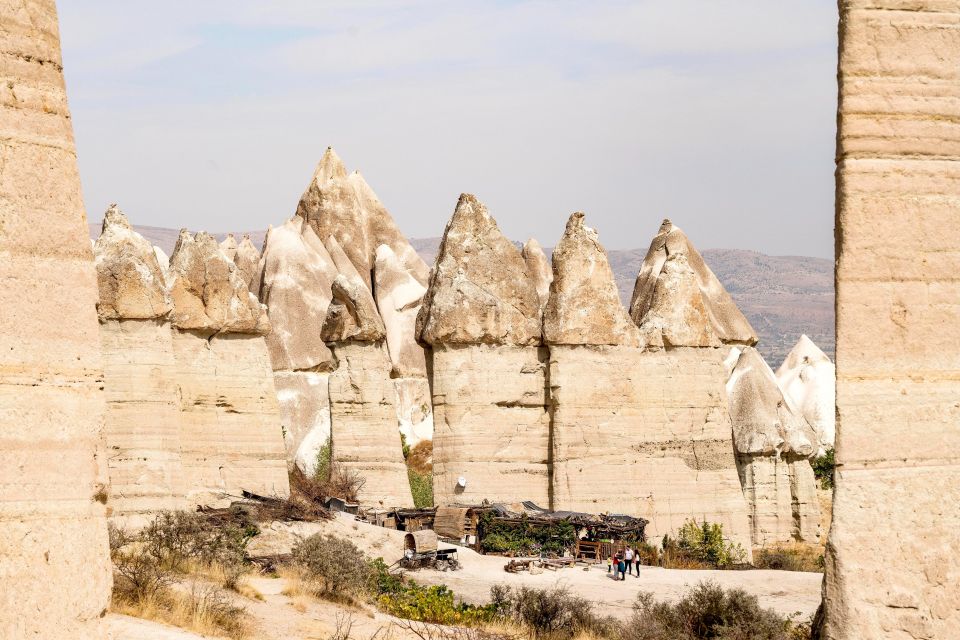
[[787, 592], [121, 627]]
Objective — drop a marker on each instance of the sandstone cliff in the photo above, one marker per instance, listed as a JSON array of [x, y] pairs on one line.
[[808, 380], [230, 426], [898, 348], [639, 432], [481, 318], [773, 442], [677, 301], [54, 562], [538, 266], [142, 428]]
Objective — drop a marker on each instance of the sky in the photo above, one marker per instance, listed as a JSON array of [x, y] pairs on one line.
[[212, 114]]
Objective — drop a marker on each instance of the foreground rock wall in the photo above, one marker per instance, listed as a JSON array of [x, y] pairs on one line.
[[893, 557], [54, 562]]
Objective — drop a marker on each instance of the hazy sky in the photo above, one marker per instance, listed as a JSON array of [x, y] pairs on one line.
[[212, 114]]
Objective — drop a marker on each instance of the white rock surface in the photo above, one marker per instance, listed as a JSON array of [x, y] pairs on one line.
[[538, 267], [399, 296], [414, 409], [809, 381]]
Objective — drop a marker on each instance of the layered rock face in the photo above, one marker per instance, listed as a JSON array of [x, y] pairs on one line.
[[634, 431], [678, 301], [773, 443], [539, 268], [808, 380], [54, 562], [898, 347], [481, 318], [142, 429], [230, 426]]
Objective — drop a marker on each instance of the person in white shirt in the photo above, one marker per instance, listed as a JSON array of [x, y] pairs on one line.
[[628, 556]]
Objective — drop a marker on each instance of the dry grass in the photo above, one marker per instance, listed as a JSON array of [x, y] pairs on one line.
[[794, 556], [420, 457], [201, 608]]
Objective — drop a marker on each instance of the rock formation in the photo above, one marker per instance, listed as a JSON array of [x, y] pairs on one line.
[[247, 259], [344, 206], [481, 318], [539, 268], [230, 426], [808, 380], [142, 428], [893, 556], [678, 301], [54, 562], [639, 432], [229, 246], [773, 443]]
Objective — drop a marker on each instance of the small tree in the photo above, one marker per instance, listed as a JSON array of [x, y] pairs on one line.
[[823, 468], [337, 565]]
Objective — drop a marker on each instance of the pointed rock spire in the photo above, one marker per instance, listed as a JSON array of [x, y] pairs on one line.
[[764, 422], [399, 296], [330, 167], [539, 268], [678, 301], [584, 306], [247, 258], [229, 246], [296, 279], [808, 379], [479, 290], [131, 280]]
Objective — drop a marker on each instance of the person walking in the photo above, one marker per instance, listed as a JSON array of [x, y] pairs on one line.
[[628, 558], [622, 566], [636, 561]]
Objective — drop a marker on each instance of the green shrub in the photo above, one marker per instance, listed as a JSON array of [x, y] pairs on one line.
[[324, 462], [336, 565], [435, 604], [707, 611], [404, 447], [523, 537], [175, 538], [553, 613], [381, 581], [701, 543], [421, 486], [794, 557], [823, 468]]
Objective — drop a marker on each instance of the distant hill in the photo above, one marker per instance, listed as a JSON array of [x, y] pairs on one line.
[[782, 296]]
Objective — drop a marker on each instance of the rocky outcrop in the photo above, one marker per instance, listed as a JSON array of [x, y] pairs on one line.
[[229, 246], [677, 301], [639, 432], [539, 268], [398, 299], [247, 259], [414, 409], [773, 443], [344, 206], [898, 361], [142, 427], [481, 318], [54, 562], [808, 380], [230, 426]]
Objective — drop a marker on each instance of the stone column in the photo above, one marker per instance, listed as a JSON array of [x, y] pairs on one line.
[[893, 557], [481, 318], [54, 560]]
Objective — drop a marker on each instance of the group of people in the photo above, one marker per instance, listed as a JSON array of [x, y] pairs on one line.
[[622, 562]]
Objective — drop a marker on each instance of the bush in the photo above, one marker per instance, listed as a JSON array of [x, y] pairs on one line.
[[330, 480], [435, 604], [707, 611], [795, 557], [421, 486], [523, 537], [550, 613], [419, 458], [336, 565], [823, 468], [176, 538], [701, 545]]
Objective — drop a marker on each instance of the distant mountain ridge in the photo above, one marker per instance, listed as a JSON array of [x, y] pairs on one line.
[[782, 296]]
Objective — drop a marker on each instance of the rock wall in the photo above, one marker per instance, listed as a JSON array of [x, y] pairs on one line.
[[481, 317], [808, 380], [363, 418], [304, 400], [893, 556], [54, 562], [773, 443]]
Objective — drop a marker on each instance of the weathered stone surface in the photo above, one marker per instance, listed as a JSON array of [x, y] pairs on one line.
[[352, 314], [247, 259], [773, 443], [345, 207], [304, 400], [898, 347], [414, 409], [363, 423], [644, 433], [229, 246], [208, 292], [54, 562], [296, 279], [491, 425], [480, 292], [538, 267], [130, 279], [143, 417], [808, 380], [230, 425], [398, 299], [678, 301], [584, 305]]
